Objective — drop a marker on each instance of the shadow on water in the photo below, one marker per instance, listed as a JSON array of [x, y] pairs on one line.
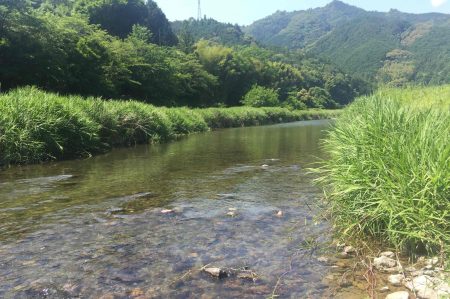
[[94, 227]]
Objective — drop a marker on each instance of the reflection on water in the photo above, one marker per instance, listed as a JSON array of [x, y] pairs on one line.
[[94, 228]]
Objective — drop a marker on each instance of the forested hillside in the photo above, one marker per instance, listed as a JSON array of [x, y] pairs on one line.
[[394, 48], [126, 49]]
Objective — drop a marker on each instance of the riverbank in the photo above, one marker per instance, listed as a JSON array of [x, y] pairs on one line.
[[37, 126], [387, 177]]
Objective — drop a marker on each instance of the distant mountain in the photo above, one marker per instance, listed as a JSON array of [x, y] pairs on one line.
[[392, 47]]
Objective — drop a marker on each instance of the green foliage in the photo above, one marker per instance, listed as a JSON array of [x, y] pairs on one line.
[[259, 96], [387, 172], [53, 44], [118, 17], [37, 126], [212, 30]]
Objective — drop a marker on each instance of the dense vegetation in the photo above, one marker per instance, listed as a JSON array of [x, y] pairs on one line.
[[126, 49], [192, 30], [388, 172], [366, 44], [39, 126]]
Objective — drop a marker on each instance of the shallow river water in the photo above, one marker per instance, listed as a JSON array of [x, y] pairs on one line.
[[95, 228]]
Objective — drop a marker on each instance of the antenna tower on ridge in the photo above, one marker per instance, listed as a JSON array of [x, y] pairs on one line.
[[199, 12]]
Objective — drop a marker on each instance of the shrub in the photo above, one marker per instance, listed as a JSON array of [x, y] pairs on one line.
[[259, 96]]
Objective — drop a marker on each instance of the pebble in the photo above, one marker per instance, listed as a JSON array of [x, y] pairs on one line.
[[216, 272], [395, 279], [137, 292], [323, 259], [280, 214], [398, 295], [231, 213], [167, 211], [384, 289]]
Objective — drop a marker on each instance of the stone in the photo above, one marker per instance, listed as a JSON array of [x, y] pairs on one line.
[[216, 272], [136, 292], [395, 279], [232, 209], [422, 286], [323, 259], [384, 289], [107, 296], [264, 166], [432, 261], [349, 249], [231, 213], [167, 211], [280, 214], [383, 262], [389, 254], [398, 295]]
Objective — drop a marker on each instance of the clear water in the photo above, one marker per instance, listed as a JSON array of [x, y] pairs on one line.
[[92, 228]]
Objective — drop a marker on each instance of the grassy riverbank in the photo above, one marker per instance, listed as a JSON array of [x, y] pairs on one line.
[[38, 126], [388, 172]]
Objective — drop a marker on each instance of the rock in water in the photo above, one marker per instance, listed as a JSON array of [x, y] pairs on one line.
[[398, 295], [280, 214], [167, 211], [396, 279], [216, 272], [383, 262]]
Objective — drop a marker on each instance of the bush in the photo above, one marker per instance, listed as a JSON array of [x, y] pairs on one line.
[[259, 96]]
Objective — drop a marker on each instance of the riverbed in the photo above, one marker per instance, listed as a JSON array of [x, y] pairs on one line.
[[144, 222]]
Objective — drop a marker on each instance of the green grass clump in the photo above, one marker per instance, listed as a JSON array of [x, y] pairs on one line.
[[38, 126], [387, 176]]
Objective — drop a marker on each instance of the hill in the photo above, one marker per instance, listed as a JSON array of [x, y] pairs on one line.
[[392, 47]]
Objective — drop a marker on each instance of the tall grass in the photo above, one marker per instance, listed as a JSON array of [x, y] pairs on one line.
[[387, 174], [37, 126]]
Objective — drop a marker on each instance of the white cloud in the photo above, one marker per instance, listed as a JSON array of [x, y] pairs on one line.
[[437, 3]]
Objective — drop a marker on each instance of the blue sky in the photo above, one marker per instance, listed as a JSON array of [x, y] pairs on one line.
[[244, 12]]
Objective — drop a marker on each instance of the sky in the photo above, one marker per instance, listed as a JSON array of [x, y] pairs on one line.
[[244, 12]]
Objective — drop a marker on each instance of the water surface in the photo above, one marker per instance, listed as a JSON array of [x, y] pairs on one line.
[[92, 228]]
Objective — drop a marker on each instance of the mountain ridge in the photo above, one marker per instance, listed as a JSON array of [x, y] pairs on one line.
[[360, 42]]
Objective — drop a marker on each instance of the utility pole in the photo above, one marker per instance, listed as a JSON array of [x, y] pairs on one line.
[[199, 12]]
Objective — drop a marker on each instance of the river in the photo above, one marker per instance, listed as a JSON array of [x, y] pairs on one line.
[[97, 228]]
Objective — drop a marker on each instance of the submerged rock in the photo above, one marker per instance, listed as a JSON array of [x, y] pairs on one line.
[[398, 295], [216, 272]]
